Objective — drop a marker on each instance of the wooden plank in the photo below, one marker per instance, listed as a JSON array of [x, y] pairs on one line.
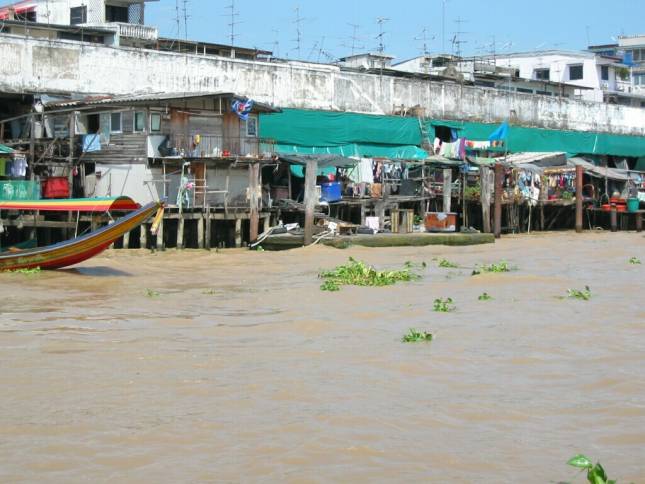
[[311, 198]]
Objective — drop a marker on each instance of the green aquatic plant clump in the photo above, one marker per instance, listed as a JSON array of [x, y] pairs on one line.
[[152, 293], [357, 273], [634, 260], [501, 266], [485, 297], [444, 305], [583, 295], [27, 272], [414, 336], [445, 263], [595, 473]]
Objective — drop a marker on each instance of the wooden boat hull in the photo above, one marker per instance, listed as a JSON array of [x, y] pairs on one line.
[[76, 250]]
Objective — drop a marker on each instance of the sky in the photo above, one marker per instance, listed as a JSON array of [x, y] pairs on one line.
[[327, 26]]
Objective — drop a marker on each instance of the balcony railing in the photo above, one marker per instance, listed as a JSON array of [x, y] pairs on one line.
[[136, 31], [199, 146]]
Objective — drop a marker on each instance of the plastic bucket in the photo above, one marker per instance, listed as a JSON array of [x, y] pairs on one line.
[[633, 204]]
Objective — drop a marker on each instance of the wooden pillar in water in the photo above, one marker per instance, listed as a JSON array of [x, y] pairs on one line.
[[447, 189], [207, 235], [499, 183], [200, 231], [126, 240], [238, 232], [579, 178], [266, 223], [143, 236], [160, 245], [254, 183], [613, 219], [486, 186], [180, 231], [311, 198]]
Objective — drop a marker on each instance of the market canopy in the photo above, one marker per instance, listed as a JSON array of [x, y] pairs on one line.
[[600, 171], [72, 204]]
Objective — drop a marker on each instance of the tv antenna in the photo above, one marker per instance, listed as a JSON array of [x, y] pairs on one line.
[[233, 22], [381, 34], [276, 43], [355, 38], [424, 37], [298, 21], [456, 39], [443, 26], [186, 16]]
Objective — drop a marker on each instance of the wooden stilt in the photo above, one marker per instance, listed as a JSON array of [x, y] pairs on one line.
[[180, 232], [200, 232], [254, 184], [499, 183], [266, 223], [311, 198], [613, 219], [160, 244], [207, 235], [447, 189], [238, 232], [143, 236], [579, 177], [126, 240], [486, 188], [639, 222]]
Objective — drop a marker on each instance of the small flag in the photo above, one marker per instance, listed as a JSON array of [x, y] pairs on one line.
[[242, 108]]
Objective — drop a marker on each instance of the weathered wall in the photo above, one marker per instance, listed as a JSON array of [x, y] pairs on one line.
[[42, 66]]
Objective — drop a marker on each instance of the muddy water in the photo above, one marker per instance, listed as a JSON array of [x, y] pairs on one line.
[[243, 370]]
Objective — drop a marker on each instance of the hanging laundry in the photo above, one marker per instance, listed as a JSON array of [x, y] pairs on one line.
[[3, 163], [478, 145], [362, 171], [19, 167]]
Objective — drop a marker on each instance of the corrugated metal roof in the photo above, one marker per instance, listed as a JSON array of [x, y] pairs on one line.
[[147, 97]]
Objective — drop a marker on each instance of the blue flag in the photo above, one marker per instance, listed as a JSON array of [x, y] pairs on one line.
[[242, 108], [500, 133]]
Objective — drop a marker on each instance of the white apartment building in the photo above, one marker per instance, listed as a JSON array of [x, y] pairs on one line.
[[124, 17], [595, 72]]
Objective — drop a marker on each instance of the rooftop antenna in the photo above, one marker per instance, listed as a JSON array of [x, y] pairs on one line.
[[232, 25], [298, 21], [276, 43], [424, 37], [587, 32], [443, 26], [354, 38], [381, 45], [185, 12], [456, 40]]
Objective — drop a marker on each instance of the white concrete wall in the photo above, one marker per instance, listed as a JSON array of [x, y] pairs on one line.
[[33, 65]]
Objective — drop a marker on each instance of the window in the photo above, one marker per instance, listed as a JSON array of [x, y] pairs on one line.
[[524, 90], [139, 121], [29, 16], [116, 14], [78, 15], [155, 122], [604, 73], [252, 127], [575, 72], [542, 74], [639, 79], [115, 122]]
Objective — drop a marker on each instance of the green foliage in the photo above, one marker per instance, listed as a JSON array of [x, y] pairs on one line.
[[583, 295], [152, 293], [414, 336], [634, 260], [259, 248], [445, 263], [501, 266], [27, 272], [357, 273], [485, 297], [444, 305], [595, 473], [567, 195], [473, 193]]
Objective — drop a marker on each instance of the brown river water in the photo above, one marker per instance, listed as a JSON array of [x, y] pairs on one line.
[[242, 369]]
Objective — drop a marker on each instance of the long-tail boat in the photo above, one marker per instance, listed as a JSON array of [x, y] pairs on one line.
[[81, 248]]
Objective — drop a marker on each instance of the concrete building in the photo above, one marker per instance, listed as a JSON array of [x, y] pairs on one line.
[[631, 49], [594, 72], [485, 73]]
